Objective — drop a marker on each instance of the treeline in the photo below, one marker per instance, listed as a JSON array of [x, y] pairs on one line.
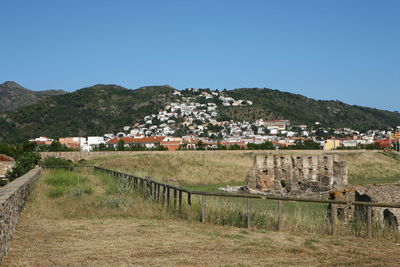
[[299, 145], [121, 146]]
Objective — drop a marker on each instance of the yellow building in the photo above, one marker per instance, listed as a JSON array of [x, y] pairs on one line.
[[331, 144]]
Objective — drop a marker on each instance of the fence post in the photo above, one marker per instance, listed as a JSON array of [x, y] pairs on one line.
[[333, 218], [163, 194], [180, 200], [158, 192], [203, 208], [175, 198], [248, 213], [189, 195], [280, 221], [369, 221], [151, 189], [168, 196]]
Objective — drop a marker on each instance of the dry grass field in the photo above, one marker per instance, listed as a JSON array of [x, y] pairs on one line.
[[88, 219], [230, 167]]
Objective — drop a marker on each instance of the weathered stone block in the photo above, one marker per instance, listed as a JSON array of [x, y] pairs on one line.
[[297, 173]]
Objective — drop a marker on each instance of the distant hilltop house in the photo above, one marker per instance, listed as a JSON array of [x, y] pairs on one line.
[[42, 140], [354, 141], [73, 142], [277, 124]]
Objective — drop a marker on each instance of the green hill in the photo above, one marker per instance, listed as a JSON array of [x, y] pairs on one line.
[[13, 96], [90, 111], [275, 104], [102, 109]]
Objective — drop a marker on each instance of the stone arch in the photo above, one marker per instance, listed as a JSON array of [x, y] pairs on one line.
[[361, 212], [389, 219]]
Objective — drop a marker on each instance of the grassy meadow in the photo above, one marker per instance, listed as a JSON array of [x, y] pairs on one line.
[[87, 218], [212, 169]]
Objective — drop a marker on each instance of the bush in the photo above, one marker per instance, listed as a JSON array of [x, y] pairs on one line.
[[56, 162], [25, 163]]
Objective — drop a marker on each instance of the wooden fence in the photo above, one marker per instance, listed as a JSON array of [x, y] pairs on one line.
[[173, 196]]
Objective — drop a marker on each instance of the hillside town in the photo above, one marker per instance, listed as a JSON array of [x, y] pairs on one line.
[[192, 121]]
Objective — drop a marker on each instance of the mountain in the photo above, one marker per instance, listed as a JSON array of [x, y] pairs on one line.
[[94, 110], [273, 104], [13, 96], [102, 108]]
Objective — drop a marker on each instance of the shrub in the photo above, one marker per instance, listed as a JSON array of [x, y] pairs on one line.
[[56, 162], [24, 163]]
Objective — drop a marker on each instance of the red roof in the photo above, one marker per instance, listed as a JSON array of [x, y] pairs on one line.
[[129, 140], [5, 158], [385, 143]]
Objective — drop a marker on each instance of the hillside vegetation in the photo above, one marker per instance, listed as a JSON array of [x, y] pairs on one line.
[[94, 110], [13, 96], [101, 109], [268, 103]]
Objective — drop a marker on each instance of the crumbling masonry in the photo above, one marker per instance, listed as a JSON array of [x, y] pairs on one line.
[[322, 176], [294, 175]]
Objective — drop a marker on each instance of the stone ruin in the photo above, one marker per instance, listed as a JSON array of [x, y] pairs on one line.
[[322, 176], [374, 193], [297, 175]]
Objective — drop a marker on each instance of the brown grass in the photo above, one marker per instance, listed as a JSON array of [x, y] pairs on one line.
[[70, 231], [149, 242], [212, 167], [184, 168]]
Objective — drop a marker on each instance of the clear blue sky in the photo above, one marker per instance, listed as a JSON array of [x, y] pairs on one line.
[[347, 50]]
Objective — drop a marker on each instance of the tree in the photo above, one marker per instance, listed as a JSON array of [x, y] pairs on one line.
[[234, 147], [263, 146], [26, 162], [200, 145], [121, 145]]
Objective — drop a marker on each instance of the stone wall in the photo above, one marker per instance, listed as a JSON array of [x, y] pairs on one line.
[[78, 155], [297, 173], [370, 193], [12, 200]]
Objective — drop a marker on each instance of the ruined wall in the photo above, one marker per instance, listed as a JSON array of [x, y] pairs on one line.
[[295, 173], [371, 193], [12, 199], [78, 155]]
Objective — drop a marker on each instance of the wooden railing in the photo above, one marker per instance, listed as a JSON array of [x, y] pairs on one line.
[[173, 197]]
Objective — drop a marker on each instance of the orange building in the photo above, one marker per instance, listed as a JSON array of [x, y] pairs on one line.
[[72, 142], [171, 145]]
